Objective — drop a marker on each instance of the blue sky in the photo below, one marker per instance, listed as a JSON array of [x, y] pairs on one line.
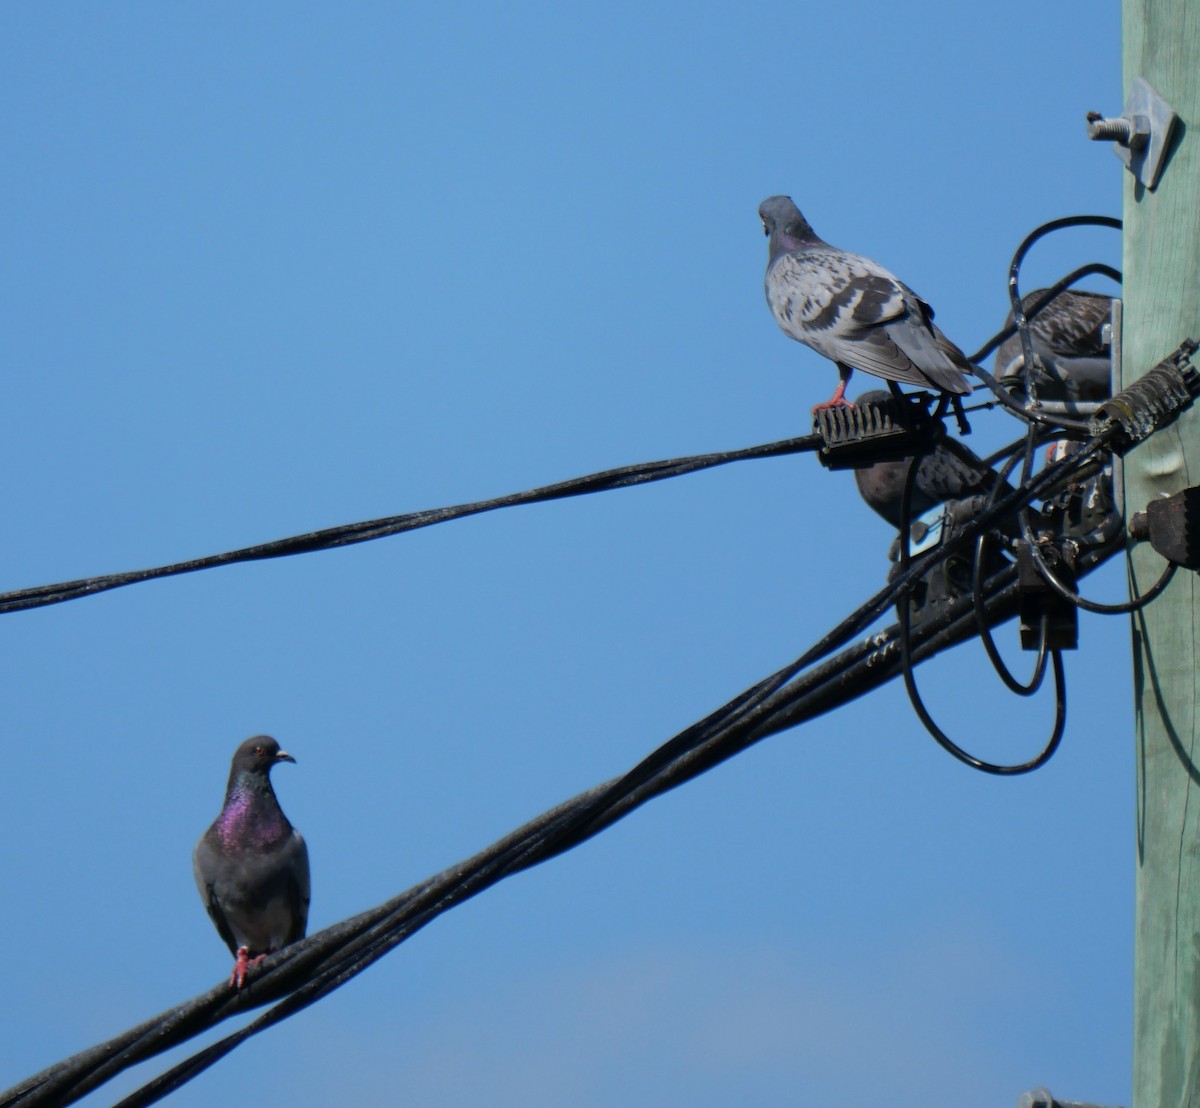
[[275, 267]]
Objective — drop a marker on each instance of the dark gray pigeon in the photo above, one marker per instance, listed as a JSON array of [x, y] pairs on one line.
[[251, 865], [1072, 339], [852, 310], [951, 472]]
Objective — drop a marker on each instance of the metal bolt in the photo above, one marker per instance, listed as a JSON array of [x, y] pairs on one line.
[[1132, 131], [1141, 134], [1100, 129]]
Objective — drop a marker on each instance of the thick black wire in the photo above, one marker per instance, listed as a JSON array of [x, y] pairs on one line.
[[910, 684], [1014, 293], [1067, 593], [989, 643], [351, 533], [1048, 294], [622, 477], [873, 660], [750, 713], [306, 971], [381, 931], [1020, 324], [749, 706], [1048, 575], [951, 747]]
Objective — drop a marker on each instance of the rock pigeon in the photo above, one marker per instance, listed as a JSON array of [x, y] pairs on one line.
[[251, 865], [852, 310], [951, 472], [1072, 339]]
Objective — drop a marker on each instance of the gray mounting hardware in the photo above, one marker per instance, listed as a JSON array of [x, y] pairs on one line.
[[1172, 524], [1140, 134]]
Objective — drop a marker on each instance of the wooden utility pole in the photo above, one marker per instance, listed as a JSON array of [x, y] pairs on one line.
[[1162, 307]]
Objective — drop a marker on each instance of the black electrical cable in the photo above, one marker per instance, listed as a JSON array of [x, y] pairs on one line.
[[306, 971], [1020, 324], [989, 643], [985, 635], [1141, 407], [1014, 272], [910, 684], [365, 531], [622, 477], [779, 702], [352, 533], [1070, 594], [873, 662], [1043, 300], [751, 705], [951, 747]]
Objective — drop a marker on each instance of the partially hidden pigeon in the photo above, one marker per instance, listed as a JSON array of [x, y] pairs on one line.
[[251, 865], [951, 471], [852, 310], [1072, 339]]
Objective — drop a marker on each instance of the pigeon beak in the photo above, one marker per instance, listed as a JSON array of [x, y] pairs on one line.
[[284, 756]]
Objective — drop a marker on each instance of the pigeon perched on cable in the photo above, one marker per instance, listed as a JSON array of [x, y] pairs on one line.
[[251, 865], [951, 471], [852, 310], [1072, 339]]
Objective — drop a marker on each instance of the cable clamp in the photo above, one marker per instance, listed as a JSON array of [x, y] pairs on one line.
[[1150, 403], [857, 435]]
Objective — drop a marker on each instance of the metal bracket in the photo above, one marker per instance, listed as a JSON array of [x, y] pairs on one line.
[[1141, 134]]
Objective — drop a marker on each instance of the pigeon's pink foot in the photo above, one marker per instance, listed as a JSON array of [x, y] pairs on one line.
[[238, 978], [838, 399]]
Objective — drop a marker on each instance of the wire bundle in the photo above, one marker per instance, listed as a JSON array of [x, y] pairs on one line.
[[813, 684]]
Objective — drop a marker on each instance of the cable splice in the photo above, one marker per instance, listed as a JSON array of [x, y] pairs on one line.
[[1151, 402]]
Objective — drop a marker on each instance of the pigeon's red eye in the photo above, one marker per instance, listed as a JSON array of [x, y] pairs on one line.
[[260, 750]]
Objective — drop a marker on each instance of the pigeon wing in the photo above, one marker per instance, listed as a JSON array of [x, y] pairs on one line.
[[298, 889], [204, 862], [858, 314]]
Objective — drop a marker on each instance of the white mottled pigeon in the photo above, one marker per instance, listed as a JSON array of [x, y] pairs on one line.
[[251, 865], [852, 310]]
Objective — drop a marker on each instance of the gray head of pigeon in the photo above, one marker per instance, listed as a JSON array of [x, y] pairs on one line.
[[785, 226], [249, 773]]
